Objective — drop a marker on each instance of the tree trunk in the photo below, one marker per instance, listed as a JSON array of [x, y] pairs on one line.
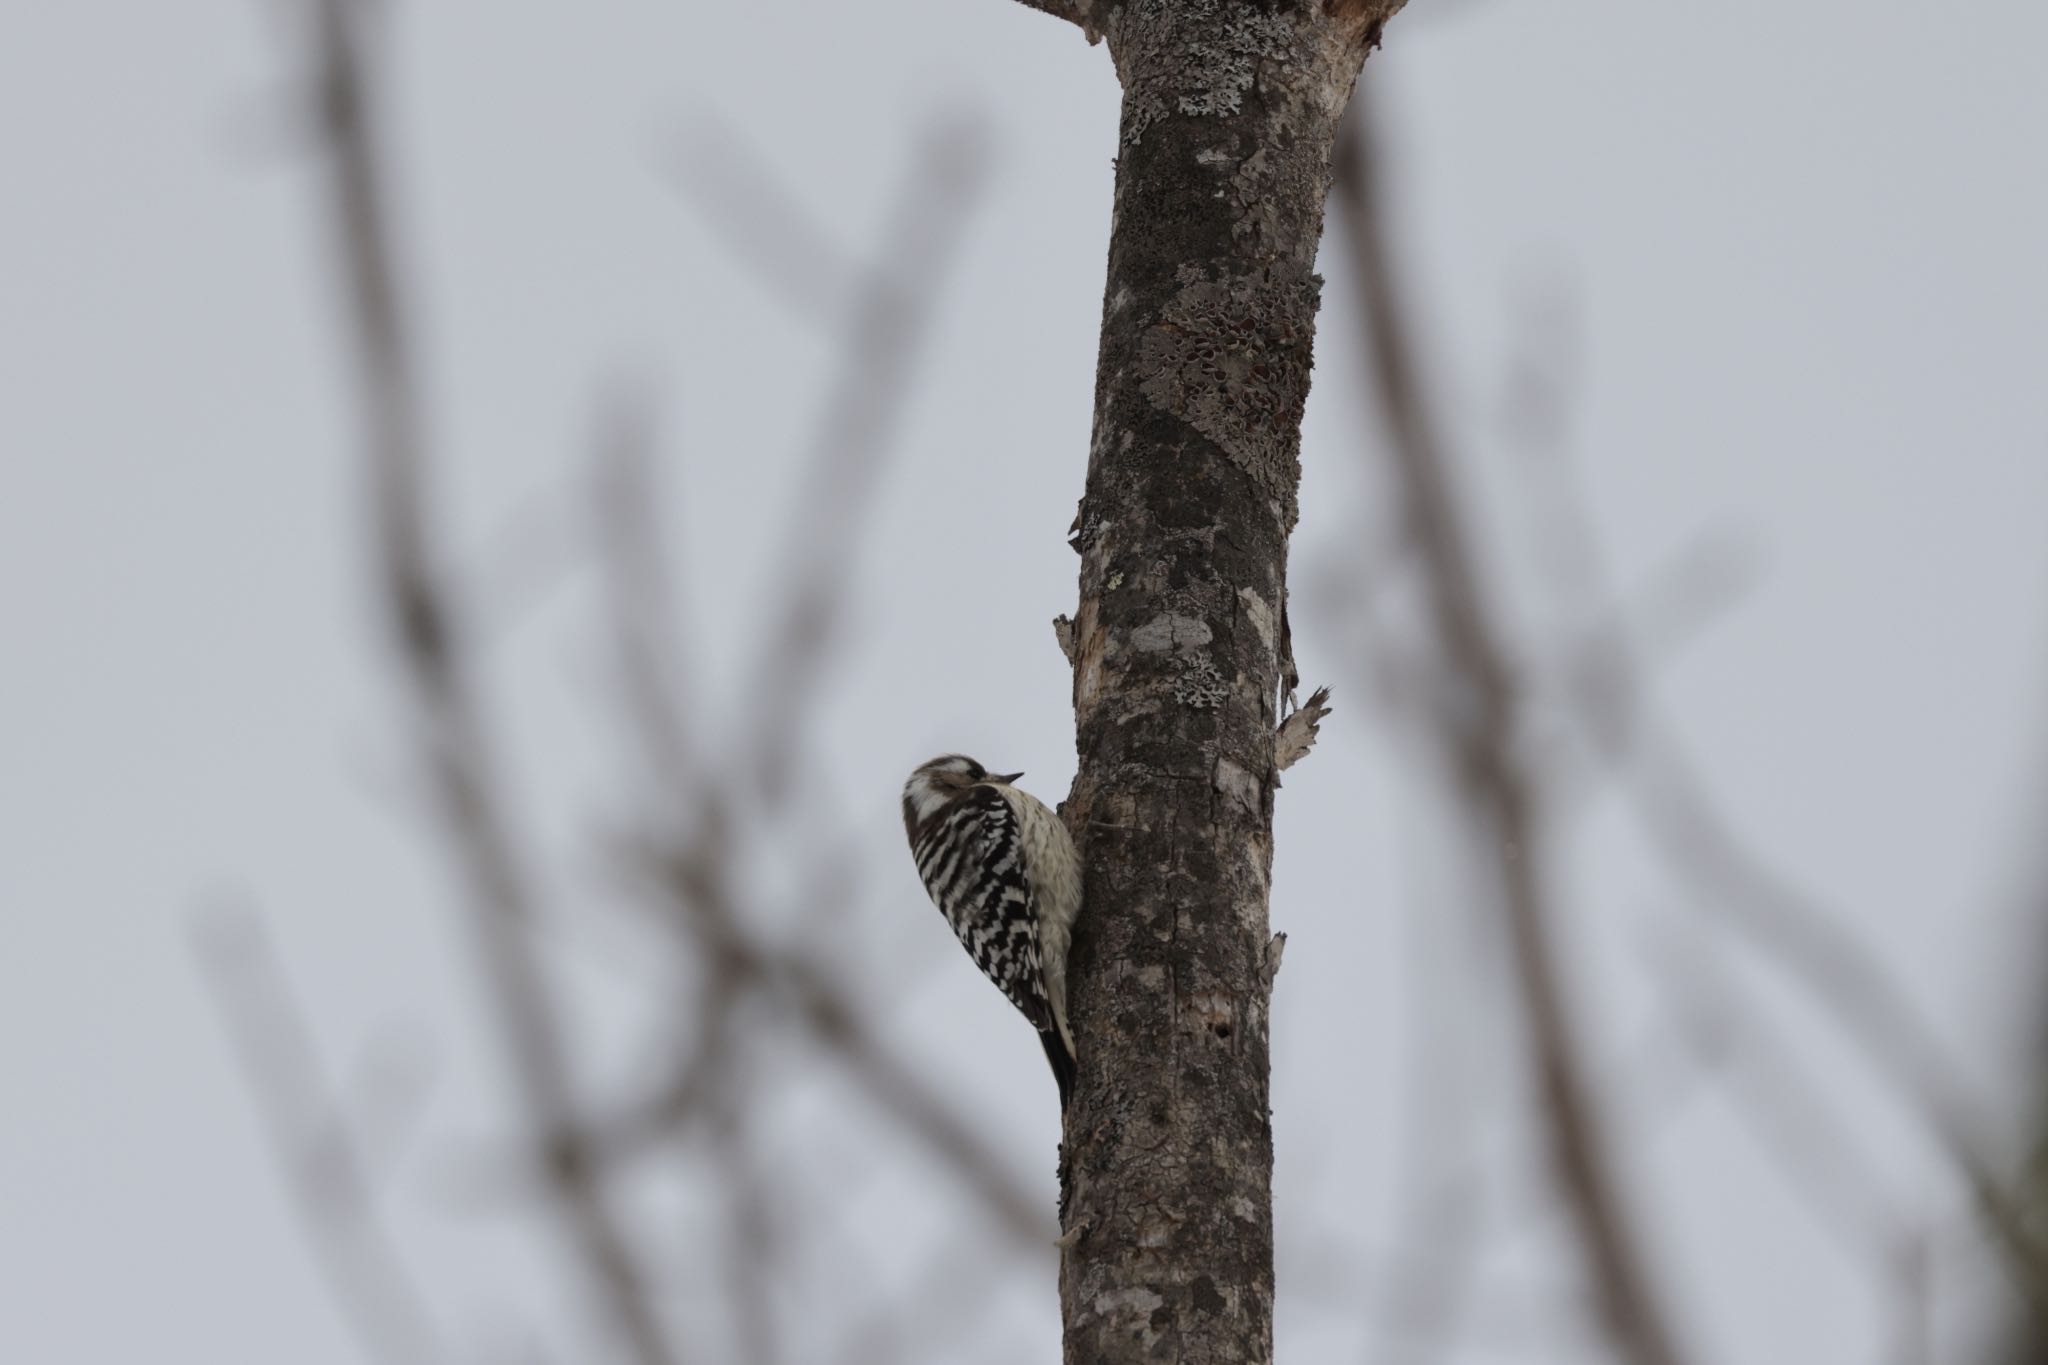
[[1230, 110]]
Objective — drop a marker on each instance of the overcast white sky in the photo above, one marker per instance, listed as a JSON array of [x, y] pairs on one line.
[[1799, 245]]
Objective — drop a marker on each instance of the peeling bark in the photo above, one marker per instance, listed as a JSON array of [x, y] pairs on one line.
[[1299, 730], [1230, 110]]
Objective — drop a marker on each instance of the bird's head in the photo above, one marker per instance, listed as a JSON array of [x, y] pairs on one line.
[[935, 784]]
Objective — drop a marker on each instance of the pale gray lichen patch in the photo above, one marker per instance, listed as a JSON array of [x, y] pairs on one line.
[[1218, 74], [1194, 57], [1199, 685], [1231, 358]]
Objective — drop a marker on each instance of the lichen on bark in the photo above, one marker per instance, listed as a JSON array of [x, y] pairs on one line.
[[1232, 359], [1199, 63]]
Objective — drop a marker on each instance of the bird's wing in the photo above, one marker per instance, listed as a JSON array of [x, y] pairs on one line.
[[985, 895]]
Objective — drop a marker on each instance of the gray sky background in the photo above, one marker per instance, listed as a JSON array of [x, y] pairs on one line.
[[1789, 256]]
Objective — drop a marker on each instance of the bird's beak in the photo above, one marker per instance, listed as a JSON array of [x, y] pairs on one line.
[[1007, 778]]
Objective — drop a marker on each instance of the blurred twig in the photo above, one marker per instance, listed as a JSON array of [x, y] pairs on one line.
[[1482, 747], [2025, 1339], [883, 314], [760, 222], [695, 881], [315, 1148], [1910, 1286], [1821, 1160], [749, 1258], [1430, 1287], [645, 618]]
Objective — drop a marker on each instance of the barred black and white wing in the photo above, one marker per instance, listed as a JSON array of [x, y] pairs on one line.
[[972, 857]]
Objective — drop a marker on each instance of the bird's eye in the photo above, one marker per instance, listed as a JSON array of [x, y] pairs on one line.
[[976, 771]]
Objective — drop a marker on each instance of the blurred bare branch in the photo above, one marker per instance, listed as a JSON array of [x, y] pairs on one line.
[[1836, 969], [1482, 748], [1821, 1159], [316, 1149], [693, 879], [760, 222], [696, 872], [748, 1262], [2024, 1338], [1431, 1292], [461, 758], [1781, 922], [1910, 1286], [646, 619], [888, 326]]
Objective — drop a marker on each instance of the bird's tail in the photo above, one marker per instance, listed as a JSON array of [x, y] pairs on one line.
[[1063, 1068]]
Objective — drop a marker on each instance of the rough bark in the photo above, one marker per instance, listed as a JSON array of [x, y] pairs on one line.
[[1230, 110]]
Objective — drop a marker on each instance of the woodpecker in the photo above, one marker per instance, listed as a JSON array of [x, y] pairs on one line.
[[1003, 871]]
